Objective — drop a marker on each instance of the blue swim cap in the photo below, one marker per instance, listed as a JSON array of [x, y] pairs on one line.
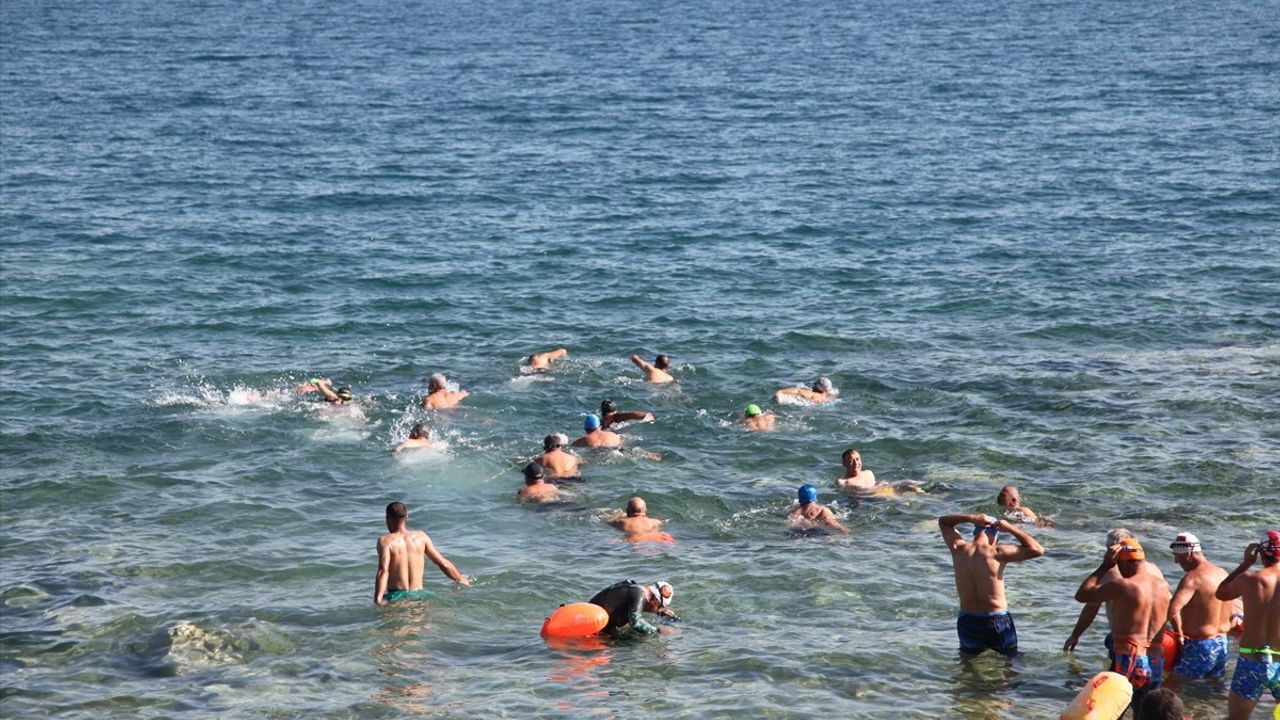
[[807, 494], [592, 422]]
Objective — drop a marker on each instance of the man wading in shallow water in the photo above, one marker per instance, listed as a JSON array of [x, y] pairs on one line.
[[400, 563], [984, 622]]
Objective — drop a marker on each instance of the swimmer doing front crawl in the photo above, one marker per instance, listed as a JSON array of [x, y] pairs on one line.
[[439, 397], [542, 361], [821, 392], [400, 560]]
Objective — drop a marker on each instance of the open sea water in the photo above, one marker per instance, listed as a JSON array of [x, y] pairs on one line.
[[1031, 242]]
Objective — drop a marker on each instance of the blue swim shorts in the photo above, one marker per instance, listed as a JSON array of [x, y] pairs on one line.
[[1143, 673], [987, 631], [1253, 676], [1203, 658]]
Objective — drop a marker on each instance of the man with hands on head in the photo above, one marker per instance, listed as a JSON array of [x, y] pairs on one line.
[[1139, 604], [1258, 666], [984, 622]]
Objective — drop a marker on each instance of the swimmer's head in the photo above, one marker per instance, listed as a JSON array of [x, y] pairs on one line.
[[1130, 557], [1269, 547], [532, 473], [1185, 544], [1116, 535], [419, 432], [851, 458], [662, 593], [662, 362], [344, 393], [1008, 497], [608, 406], [551, 442], [591, 422], [397, 513], [562, 439], [807, 494], [986, 530], [752, 410], [636, 506], [823, 385], [437, 382]]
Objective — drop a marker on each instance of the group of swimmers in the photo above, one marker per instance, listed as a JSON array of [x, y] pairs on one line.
[[1208, 604]]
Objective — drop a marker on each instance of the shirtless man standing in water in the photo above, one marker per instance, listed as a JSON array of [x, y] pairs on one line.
[[1258, 667], [1139, 604], [400, 563], [984, 622], [1199, 620]]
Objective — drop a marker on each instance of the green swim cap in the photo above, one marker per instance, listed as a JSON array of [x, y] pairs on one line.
[[314, 381], [753, 410]]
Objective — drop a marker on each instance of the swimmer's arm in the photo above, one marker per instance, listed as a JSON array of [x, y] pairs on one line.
[[443, 563], [951, 536], [1094, 588], [329, 394], [629, 415], [1087, 615], [384, 571], [830, 519], [1186, 590], [1028, 550], [640, 363], [1229, 588], [636, 615]]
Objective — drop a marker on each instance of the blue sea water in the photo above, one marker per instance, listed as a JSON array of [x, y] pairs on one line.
[[1031, 243]]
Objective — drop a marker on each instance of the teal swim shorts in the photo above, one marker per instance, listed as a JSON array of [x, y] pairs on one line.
[[394, 595]]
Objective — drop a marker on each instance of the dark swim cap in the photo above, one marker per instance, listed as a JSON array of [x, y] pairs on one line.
[[608, 406], [532, 471], [807, 494], [344, 393], [551, 442]]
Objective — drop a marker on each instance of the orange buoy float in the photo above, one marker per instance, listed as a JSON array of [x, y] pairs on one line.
[[655, 537], [1170, 643], [578, 619], [1105, 697]]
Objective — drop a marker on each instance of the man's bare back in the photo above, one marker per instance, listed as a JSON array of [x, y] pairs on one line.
[[400, 558], [979, 564], [560, 464]]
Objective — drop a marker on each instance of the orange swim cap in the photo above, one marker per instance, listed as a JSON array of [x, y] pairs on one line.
[[1131, 549]]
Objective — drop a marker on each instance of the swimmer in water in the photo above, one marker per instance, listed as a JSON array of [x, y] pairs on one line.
[[754, 419], [636, 520], [625, 601], [609, 414], [984, 622], [419, 437], [536, 489], [311, 385], [542, 361], [562, 466], [1011, 500], [341, 396], [858, 479], [657, 372], [400, 560], [821, 392], [595, 436], [812, 516], [438, 395]]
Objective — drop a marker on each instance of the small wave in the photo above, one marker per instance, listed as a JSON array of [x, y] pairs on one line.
[[424, 455]]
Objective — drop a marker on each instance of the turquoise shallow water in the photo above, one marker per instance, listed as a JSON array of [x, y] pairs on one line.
[[1030, 243]]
